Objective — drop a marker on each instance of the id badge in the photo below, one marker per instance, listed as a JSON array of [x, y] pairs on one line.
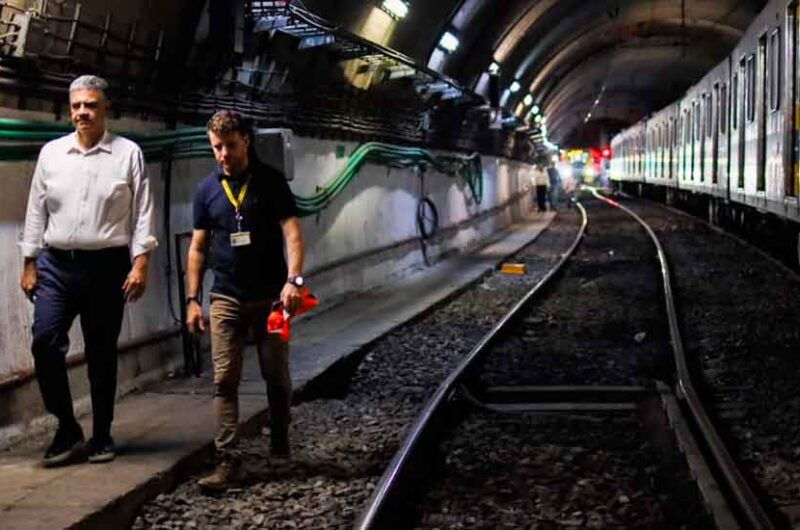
[[240, 239]]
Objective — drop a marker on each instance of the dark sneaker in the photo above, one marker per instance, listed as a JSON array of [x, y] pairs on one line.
[[99, 450], [228, 474], [279, 445], [66, 444]]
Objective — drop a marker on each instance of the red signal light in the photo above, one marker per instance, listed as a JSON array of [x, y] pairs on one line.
[[606, 152]]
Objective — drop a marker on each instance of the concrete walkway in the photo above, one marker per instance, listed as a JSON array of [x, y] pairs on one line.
[[163, 434]]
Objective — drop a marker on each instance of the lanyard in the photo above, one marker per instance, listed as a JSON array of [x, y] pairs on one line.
[[237, 202]]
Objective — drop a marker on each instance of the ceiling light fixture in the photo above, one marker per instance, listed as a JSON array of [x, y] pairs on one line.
[[396, 8], [449, 42]]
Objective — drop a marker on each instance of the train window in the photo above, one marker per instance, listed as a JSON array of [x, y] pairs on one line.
[[722, 106], [707, 102], [775, 70], [698, 121], [750, 89], [673, 132], [687, 127]]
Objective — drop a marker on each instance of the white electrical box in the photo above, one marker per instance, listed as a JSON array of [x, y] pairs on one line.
[[274, 147]]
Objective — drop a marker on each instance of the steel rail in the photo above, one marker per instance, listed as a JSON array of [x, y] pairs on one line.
[[747, 501], [376, 515]]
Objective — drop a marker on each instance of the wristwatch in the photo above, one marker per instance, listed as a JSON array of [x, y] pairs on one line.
[[296, 280], [190, 299]]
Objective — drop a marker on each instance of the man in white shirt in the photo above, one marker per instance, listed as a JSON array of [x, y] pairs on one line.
[[541, 182], [89, 210]]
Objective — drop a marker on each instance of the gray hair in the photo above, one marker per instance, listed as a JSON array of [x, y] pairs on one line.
[[90, 82]]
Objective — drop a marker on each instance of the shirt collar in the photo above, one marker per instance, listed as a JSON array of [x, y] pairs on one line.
[[103, 145], [221, 175]]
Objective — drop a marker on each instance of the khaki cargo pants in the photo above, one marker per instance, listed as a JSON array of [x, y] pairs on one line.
[[230, 320]]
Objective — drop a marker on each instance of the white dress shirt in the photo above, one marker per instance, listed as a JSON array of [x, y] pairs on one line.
[[89, 199]]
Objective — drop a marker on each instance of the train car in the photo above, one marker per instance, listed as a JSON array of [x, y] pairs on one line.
[[630, 162], [661, 153], [736, 139], [704, 134], [619, 159], [637, 141], [757, 175], [624, 159]]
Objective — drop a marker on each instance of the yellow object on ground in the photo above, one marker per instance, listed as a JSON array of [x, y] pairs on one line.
[[512, 268]]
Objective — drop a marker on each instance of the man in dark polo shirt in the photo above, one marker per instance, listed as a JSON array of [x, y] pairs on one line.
[[247, 211]]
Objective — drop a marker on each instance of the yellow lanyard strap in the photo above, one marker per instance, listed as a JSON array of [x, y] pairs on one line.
[[238, 201]]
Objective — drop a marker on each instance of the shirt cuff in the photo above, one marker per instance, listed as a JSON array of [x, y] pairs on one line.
[[29, 250], [148, 244]]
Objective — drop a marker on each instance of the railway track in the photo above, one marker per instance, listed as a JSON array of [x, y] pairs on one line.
[[466, 405]]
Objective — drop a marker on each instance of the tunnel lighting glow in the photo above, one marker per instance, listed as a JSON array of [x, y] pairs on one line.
[[515, 86], [449, 42], [535, 110], [528, 100], [494, 68], [396, 8], [565, 169]]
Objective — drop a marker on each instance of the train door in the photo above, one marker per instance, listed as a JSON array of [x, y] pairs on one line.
[[706, 170], [668, 148], [761, 114], [693, 138], [715, 133], [673, 144], [682, 139], [662, 148], [724, 146], [687, 144], [741, 119], [702, 131], [791, 154]]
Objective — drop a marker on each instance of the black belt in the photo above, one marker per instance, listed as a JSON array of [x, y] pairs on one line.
[[78, 254]]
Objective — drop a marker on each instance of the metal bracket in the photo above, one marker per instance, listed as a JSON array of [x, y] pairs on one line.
[[17, 35]]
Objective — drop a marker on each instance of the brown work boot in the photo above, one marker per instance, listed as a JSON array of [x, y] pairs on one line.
[[227, 474]]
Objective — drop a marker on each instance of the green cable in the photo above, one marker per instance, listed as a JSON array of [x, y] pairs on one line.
[[22, 140]]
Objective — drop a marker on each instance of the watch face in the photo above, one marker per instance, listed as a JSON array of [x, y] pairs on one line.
[[296, 280]]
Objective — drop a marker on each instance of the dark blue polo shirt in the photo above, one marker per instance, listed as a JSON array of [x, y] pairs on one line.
[[256, 271]]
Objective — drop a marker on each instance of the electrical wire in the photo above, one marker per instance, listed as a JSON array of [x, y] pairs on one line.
[[22, 140]]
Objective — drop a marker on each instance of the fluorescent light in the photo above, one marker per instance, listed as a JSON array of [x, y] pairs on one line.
[[535, 109], [538, 118], [494, 68], [400, 72], [396, 8], [449, 42], [515, 86], [528, 100]]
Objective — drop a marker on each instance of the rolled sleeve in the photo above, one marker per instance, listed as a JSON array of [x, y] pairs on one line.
[[36, 214], [143, 239]]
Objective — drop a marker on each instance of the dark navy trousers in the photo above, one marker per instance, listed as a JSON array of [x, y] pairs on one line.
[[86, 283]]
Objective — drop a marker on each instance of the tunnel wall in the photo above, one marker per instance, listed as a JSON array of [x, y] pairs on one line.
[[368, 234]]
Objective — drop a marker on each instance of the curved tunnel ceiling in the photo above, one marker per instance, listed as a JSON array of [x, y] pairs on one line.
[[564, 52]]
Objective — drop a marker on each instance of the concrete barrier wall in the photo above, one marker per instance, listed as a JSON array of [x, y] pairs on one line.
[[366, 235]]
